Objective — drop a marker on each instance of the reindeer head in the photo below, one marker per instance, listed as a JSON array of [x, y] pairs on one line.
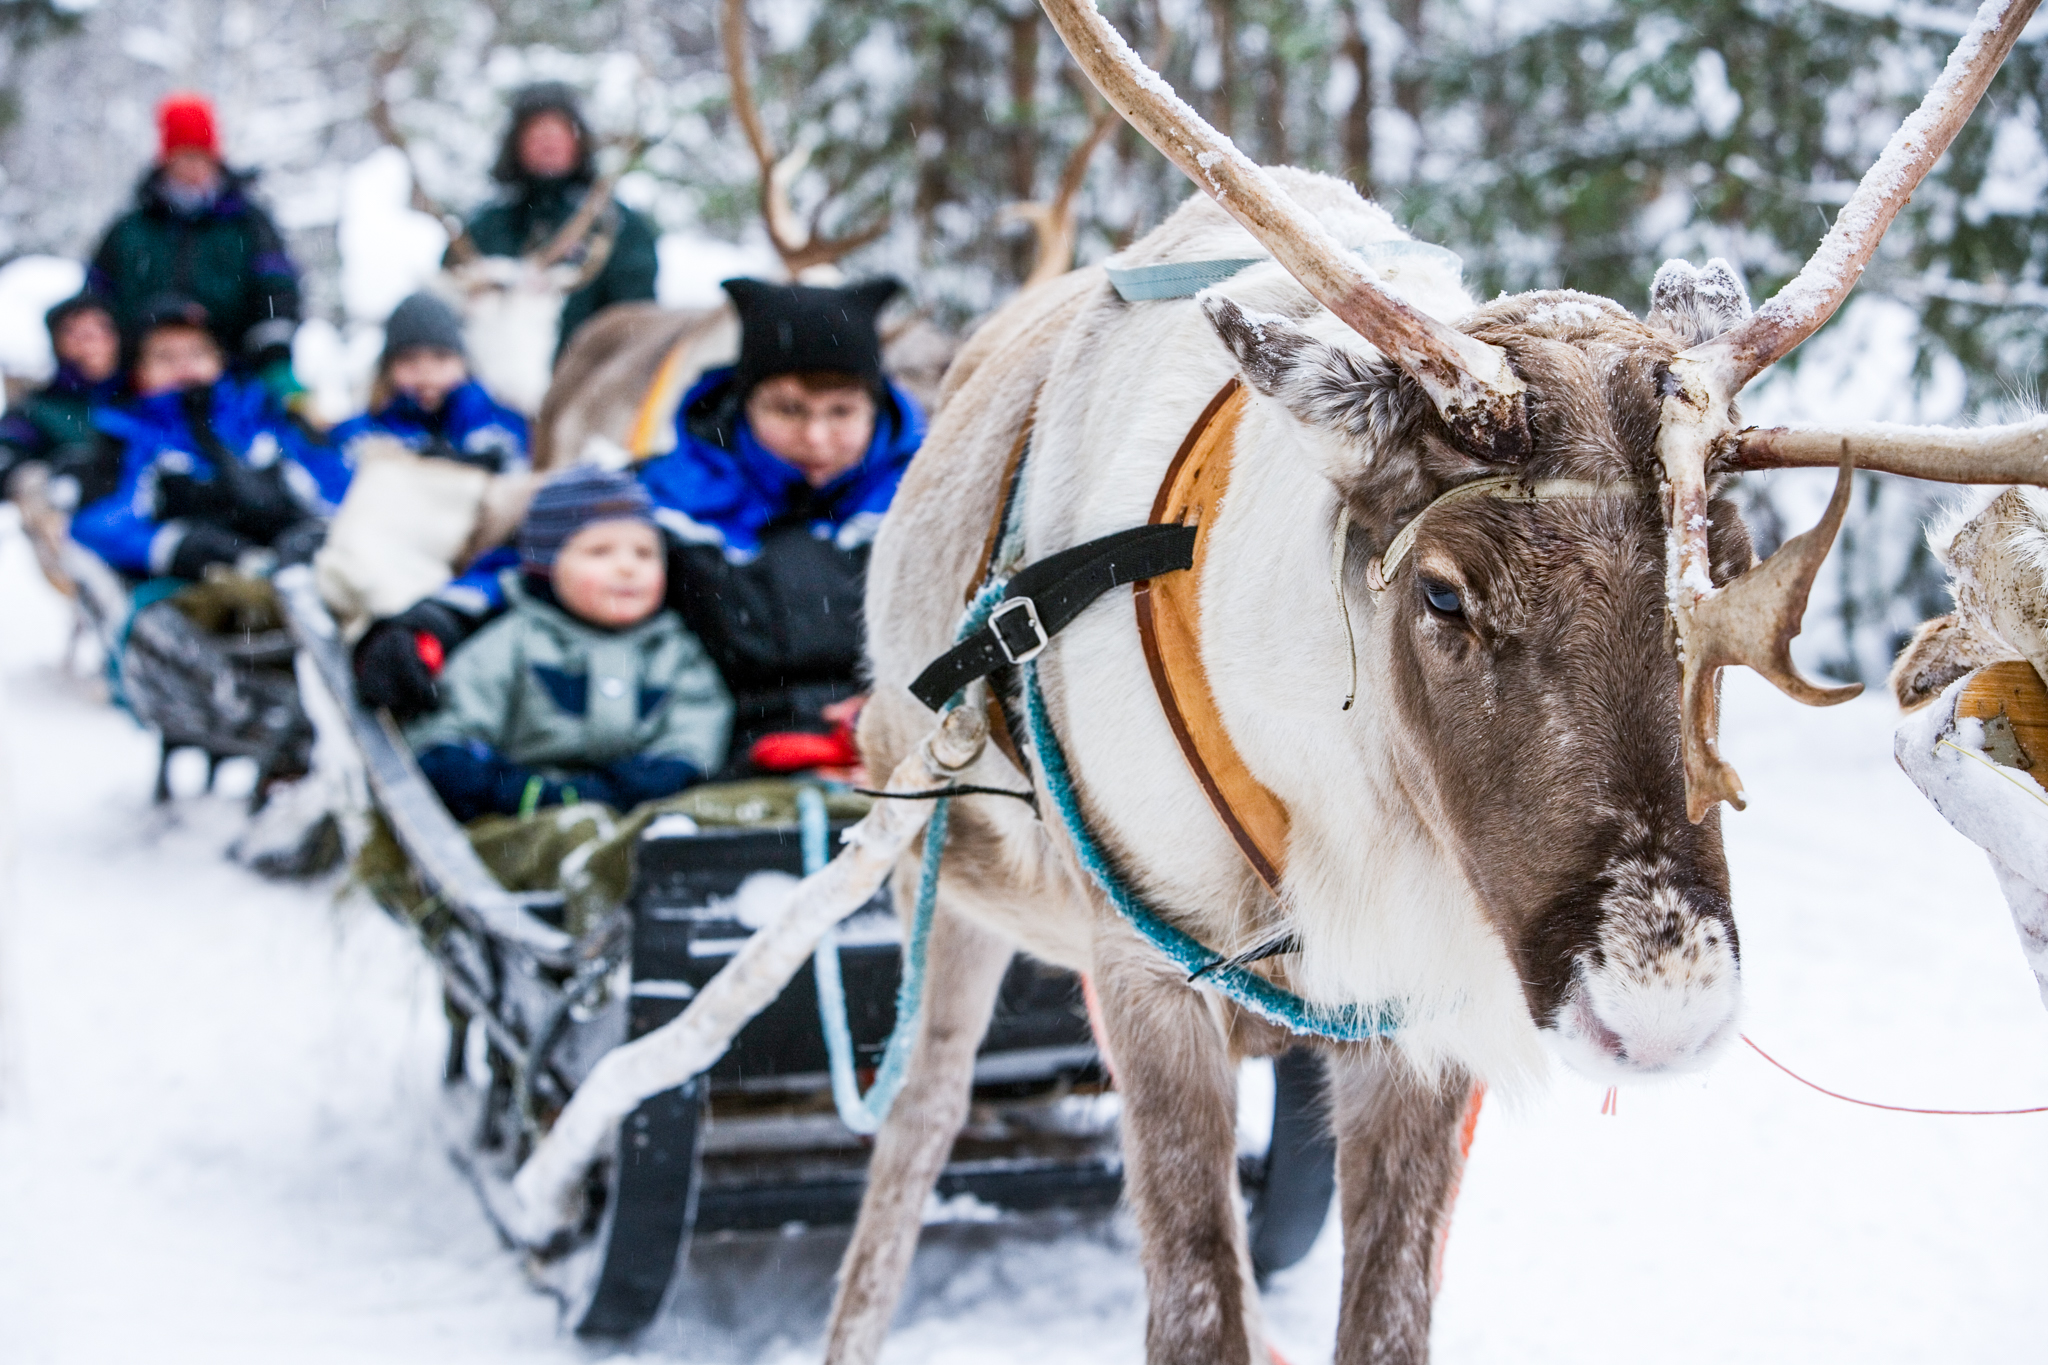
[[1521, 646], [1554, 587]]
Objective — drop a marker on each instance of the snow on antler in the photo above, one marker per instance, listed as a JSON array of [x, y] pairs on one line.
[[801, 248], [1469, 381], [1698, 422]]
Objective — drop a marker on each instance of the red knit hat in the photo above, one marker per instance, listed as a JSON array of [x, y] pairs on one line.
[[184, 123]]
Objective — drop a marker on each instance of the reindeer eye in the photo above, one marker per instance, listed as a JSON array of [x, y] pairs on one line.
[[1443, 597]]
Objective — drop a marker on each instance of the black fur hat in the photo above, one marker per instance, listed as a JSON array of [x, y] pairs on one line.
[[548, 97], [793, 328]]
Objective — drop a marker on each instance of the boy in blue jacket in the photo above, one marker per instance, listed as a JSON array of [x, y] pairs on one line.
[[425, 397], [212, 466]]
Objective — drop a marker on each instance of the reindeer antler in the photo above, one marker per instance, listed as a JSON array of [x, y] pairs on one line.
[[1054, 224], [800, 248], [1469, 381], [1750, 620], [383, 65]]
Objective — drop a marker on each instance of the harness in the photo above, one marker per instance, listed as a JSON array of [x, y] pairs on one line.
[[1013, 616]]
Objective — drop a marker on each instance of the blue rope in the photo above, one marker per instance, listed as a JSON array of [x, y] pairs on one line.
[[864, 1113], [1348, 1023]]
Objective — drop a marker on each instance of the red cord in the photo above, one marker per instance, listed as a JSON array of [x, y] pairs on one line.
[[1873, 1104]]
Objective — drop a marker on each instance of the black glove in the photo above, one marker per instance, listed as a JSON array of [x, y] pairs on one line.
[[264, 507], [398, 658], [182, 495], [202, 544], [300, 541]]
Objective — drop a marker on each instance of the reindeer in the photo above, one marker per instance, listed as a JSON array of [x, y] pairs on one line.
[[1512, 837], [1975, 738]]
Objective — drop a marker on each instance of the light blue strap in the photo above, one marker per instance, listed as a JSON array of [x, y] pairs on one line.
[[1350, 1023], [1178, 280], [864, 1113], [1185, 279], [846, 1097]]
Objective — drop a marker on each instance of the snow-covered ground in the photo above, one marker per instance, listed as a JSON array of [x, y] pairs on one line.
[[217, 1098]]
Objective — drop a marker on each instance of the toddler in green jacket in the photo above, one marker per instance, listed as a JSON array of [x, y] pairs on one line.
[[587, 689]]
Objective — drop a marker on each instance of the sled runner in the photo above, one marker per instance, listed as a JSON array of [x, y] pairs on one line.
[[208, 666], [754, 1143]]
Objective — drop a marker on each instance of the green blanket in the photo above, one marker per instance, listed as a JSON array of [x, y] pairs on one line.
[[585, 851]]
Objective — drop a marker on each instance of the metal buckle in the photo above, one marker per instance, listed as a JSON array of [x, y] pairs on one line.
[[1005, 614]]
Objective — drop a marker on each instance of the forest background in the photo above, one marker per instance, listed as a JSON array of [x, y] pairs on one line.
[[1562, 143]]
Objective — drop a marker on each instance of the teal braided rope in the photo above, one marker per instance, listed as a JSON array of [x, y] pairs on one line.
[[864, 1113], [832, 1021], [1347, 1023]]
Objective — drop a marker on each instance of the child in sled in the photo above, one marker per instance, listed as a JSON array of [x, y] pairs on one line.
[[213, 470], [425, 398], [587, 689]]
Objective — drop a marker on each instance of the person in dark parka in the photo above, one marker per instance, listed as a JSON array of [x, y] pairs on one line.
[[547, 164], [54, 423], [196, 233]]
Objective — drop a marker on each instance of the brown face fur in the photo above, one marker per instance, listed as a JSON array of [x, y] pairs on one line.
[[1539, 717], [1550, 700]]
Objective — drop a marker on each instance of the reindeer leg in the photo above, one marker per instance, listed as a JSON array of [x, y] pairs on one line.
[[1399, 1157], [963, 970], [1179, 1087]]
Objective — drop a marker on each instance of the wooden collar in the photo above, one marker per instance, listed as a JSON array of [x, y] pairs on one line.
[[1170, 628]]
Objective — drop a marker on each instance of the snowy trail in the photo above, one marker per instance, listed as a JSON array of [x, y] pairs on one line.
[[218, 1097]]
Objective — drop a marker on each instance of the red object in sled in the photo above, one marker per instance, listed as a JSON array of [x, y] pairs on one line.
[[795, 750]]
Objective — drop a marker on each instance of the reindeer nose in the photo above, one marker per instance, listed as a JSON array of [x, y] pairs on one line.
[[1660, 994]]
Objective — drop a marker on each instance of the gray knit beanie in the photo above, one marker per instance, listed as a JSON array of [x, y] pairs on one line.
[[422, 320], [572, 500]]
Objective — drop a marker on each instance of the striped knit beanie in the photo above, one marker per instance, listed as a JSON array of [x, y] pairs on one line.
[[573, 500]]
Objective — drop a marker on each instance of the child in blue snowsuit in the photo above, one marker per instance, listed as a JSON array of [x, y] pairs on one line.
[[212, 466], [426, 397]]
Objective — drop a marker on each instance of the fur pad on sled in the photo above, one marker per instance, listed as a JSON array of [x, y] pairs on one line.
[[409, 524]]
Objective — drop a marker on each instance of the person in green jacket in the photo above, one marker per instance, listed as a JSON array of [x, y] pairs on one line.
[[547, 164], [588, 689], [196, 233]]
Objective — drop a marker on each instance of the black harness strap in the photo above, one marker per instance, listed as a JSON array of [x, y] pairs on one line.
[[1043, 598]]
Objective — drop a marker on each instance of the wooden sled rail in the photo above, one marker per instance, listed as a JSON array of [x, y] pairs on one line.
[[439, 850]]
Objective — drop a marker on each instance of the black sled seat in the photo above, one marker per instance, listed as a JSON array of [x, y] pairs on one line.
[[776, 1152]]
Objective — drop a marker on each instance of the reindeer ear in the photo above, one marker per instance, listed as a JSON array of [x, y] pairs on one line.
[[1322, 385], [1697, 305]]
